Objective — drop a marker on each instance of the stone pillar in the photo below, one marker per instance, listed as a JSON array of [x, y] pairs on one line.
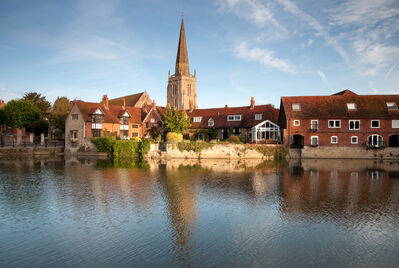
[[31, 138], [42, 139], [19, 137]]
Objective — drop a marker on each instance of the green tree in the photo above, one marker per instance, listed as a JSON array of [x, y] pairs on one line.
[[21, 113], [176, 121], [58, 114], [39, 101]]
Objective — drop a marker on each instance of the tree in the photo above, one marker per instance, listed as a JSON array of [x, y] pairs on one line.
[[21, 113], [58, 114], [176, 121], [39, 101]]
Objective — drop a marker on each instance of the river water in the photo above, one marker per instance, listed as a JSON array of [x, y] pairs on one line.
[[208, 213]]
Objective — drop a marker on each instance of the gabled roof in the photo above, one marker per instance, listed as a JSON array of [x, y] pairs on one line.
[[335, 106], [110, 115], [219, 115], [146, 110], [130, 100]]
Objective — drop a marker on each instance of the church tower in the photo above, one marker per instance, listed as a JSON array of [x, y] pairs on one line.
[[182, 91]]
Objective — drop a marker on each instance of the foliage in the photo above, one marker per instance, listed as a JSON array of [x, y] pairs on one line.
[[213, 132], [194, 146], [121, 149], [154, 132], [278, 153], [59, 112], [21, 113], [2, 117], [176, 121], [104, 144], [173, 137], [230, 131], [39, 101], [136, 139], [234, 139]]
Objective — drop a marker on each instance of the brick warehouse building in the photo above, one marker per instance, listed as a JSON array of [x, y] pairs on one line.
[[342, 119]]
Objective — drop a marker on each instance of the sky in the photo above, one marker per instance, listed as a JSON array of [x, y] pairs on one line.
[[239, 48]]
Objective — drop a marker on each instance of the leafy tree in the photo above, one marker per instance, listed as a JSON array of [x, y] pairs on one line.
[[2, 117], [59, 112], [21, 113], [39, 101], [176, 121]]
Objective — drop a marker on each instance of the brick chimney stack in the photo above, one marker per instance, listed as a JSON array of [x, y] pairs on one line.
[[191, 108], [252, 102], [153, 104], [123, 102], [105, 101], [2, 104]]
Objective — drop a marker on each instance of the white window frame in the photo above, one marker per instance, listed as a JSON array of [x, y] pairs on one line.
[[335, 125], [351, 106], [317, 124], [357, 140], [258, 116], [311, 139], [395, 125], [211, 122], [152, 120], [296, 107], [197, 119], [371, 123], [296, 123], [392, 106], [336, 141], [234, 117], [354, 124]]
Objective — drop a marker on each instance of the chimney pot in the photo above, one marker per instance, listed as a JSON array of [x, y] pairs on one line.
[[153, 104], [105, 101], [225, 106], [252, 102], [123, 102]]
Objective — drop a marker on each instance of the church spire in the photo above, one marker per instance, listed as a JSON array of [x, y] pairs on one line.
[[182, 67]]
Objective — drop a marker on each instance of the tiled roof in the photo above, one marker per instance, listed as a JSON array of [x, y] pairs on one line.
[[131, 100], [219, 115], [335, 106], [146, 109], [111, 115]]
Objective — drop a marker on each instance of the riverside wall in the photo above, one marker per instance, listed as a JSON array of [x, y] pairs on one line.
[[30, 151]]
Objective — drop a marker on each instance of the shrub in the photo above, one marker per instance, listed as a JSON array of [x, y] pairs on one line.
[[136, 139], [125, 149], [173, 137], [193, 146], [104, 144], [234, 139]]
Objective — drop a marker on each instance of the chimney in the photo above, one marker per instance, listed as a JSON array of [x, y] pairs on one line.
[[225, 106], [191, 106], [153, 104], [252, 102], [105, 101], [123, 102]]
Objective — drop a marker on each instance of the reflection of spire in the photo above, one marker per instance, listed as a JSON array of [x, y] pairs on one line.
[[182, 211]]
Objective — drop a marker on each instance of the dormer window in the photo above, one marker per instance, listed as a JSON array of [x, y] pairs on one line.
[[351, 106], [211, 123], [97, 119], [197, 119], [236, 117], [392, 106], [258, 116], [124, 120], [296, 107]]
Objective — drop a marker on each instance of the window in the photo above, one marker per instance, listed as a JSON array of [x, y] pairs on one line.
[[96, 132], [258, 116], [297, 123], [135, 134], [375, 123], [159, 124], [146, 125], [395, 123], [314, 124], [236, 117], [152, 120], [189, 90], [124, 120], [96, 119], [354, 124], [334, 123], [354, 140], [296, 107], [314, 140], [75, 117], [197, 119], [351, 106], [375, 141], [392, 106], [334, 139], [211, 122], [135, 126]]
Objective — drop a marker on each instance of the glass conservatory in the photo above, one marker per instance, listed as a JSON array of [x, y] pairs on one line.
[[265, 132]]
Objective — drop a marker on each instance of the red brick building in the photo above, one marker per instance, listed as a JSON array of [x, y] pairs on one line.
[[342, 119], [254, 123]]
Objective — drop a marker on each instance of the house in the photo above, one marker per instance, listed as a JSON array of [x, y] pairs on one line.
[[254, 123], [152, 119], [342, 119], [90, 119]]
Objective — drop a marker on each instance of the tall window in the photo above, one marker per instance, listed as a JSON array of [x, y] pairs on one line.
[[314, 124], [189, 89], [354, 124], [314, 140]]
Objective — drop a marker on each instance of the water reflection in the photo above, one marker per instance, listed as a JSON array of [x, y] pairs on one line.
[[198, 213]]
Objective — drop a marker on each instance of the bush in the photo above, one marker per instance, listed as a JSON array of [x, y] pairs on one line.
[[193, 146], [234, 139], [104, 144], [173, 137], [136, 139], [125, 149]]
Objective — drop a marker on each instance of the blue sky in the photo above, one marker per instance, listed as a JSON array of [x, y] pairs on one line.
[[239, 48]]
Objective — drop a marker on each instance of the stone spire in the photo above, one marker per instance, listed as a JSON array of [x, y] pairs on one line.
[[182, 67]]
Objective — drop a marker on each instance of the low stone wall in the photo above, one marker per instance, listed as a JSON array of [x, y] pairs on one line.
[[329, 152], [217, 151], [30, 151], [85, 147]]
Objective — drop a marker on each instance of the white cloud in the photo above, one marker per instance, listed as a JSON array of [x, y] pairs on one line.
[[322, 76], [264, 57], [390, 71]]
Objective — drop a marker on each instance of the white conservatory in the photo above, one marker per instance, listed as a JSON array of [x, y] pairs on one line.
[[265, 131]]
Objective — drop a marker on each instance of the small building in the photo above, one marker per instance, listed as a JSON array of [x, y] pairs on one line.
[[152, 120], [254, 123], [89, 119], [342, 119]]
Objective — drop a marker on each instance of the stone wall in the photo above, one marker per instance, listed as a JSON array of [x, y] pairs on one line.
[[344, 152], [30, 151], [217, 151]]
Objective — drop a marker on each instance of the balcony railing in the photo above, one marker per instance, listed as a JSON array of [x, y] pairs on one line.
[[124, 127], [96, 126]]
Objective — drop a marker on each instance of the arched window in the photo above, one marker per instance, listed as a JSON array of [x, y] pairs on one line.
[[375, 141], [211, 123]]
